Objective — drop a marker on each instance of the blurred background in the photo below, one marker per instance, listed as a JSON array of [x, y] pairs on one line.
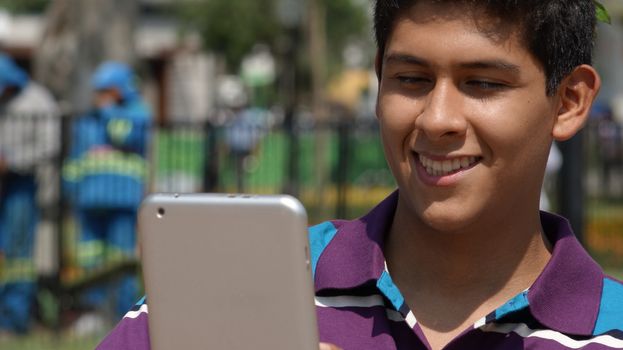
[[104, 101]]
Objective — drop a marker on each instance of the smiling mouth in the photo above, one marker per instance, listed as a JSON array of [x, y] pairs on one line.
[[447, 166]]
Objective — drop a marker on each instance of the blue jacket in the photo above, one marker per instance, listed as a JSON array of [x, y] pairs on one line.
[[107, 166]]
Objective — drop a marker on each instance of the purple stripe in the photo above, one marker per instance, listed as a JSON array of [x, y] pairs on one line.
[[477, 339], [364, 328], [129, 334]]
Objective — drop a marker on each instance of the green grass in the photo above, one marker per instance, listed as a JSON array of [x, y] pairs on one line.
[[604, 233], [47, 340], [183, 151]]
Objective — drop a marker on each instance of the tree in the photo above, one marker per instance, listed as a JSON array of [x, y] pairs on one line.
[[232, 27], [80, 34], [346, 21], [24, 6]]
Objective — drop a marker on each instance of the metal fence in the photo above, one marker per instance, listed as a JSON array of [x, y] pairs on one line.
[[602, 153], [336, 168]]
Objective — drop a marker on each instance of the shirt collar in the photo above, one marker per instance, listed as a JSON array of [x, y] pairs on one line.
[[565, 297], [355, 255]]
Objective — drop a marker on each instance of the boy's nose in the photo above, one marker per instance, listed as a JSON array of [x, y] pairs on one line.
[[443, 114]]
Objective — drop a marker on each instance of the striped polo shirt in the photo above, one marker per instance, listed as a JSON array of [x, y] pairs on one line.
[[571, 305]]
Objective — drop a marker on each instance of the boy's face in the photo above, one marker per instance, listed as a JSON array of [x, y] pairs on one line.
[[465, 119]]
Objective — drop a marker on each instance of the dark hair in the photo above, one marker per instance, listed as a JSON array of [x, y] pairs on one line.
[[558, 33]]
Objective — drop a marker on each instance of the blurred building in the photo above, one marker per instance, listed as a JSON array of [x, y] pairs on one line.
[[177, 74]]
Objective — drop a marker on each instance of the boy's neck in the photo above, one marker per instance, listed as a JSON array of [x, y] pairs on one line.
[[450, 280]]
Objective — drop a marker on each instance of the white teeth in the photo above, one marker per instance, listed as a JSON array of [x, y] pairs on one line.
[[437, 166], [464, 162], [456, 163], [445, 167]]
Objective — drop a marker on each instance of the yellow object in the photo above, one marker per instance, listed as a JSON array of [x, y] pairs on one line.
[[347, 88]]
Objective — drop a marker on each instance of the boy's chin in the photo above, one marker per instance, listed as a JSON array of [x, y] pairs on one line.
[[446, 220]]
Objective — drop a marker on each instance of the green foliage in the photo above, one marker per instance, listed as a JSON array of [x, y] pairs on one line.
[[24, 6], [602, 13], [346, 21], [232, 27]]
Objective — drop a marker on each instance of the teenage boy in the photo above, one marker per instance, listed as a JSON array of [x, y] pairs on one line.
[[472, 94]]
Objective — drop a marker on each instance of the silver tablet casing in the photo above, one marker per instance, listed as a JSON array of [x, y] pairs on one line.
[[227, 272]]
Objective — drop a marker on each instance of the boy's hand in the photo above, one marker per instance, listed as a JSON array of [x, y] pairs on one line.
[[327, 346]]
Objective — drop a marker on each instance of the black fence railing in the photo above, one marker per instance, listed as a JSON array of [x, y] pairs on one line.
[[336, 168], [331, 166]]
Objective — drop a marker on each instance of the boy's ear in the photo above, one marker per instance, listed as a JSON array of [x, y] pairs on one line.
[[378, 64], [378, 68], [577, 92]]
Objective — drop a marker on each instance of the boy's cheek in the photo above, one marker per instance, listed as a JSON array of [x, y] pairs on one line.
[[395, 112]]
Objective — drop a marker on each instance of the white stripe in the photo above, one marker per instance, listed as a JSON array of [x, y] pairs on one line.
[[523, 330], [367, 301], [396, 316], [135, 314], [481, 322], [411, 321], [350, 301]]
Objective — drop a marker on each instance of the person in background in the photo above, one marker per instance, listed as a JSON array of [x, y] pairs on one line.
[[243, 135], [610, 145], [29, 144], [105, 177], [244, 127]]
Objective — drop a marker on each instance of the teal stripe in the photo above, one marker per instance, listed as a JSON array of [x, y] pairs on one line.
[[319, 238], [140, 302], [519, 301], [610, 316], [390, 290]]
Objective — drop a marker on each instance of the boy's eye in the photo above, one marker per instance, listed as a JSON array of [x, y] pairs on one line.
[[411, 80], [485, 85]]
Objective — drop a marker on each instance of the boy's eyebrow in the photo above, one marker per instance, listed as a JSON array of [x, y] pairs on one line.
[[492, 64], [480, 64], [405, 58]]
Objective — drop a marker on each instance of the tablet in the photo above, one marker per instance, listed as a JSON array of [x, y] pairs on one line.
[[227, 272]]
